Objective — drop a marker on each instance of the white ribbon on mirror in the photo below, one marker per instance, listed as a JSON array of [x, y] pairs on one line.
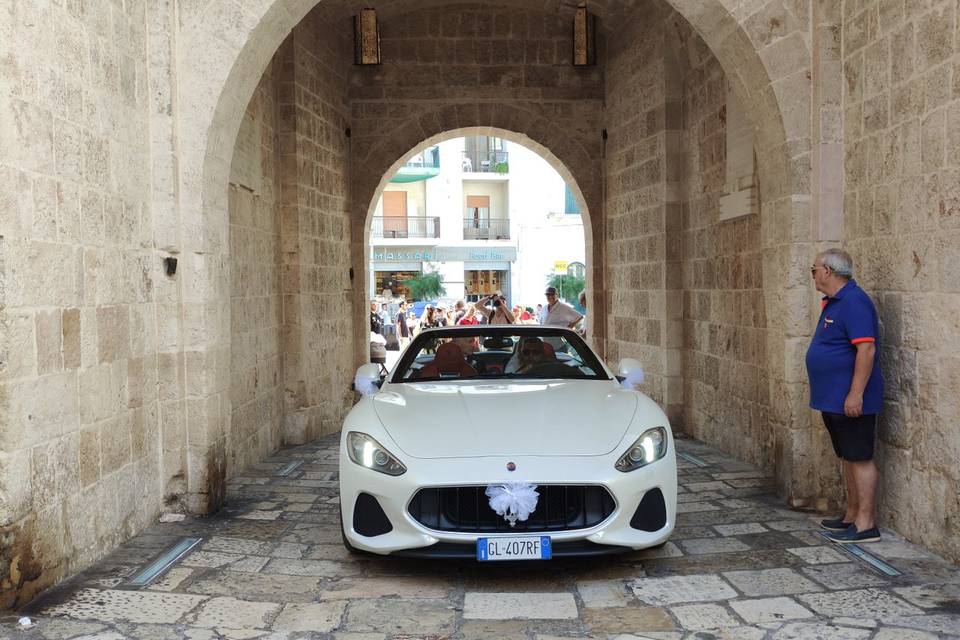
[[633, 379]]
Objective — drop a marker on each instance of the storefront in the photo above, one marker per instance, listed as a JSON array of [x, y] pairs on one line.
[[390, 266], [486, 270], [393, 280]]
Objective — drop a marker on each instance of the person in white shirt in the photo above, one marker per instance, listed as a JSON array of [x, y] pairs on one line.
[[558, 313]]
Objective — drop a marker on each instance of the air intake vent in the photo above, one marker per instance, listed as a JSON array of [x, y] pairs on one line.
[[651, 514], [368, 517]]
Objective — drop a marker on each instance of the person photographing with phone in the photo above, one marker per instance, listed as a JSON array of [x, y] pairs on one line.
[[499, 313]]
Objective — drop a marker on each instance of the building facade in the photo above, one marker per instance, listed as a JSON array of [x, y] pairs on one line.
[[486, 214]]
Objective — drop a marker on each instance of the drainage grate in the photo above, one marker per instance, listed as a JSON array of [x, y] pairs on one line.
[[857, 551], [288, 468], [693, 460], [160, 566]]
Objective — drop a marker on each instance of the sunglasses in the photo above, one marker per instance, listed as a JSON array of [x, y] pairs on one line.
[[530, 352]]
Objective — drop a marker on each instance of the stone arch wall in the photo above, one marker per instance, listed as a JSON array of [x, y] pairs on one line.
[[750, 43]]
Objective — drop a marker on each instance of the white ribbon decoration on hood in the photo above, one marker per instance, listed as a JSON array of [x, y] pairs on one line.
[[513, 500]]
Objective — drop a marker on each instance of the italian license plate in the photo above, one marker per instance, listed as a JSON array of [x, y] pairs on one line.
[[514, 548]]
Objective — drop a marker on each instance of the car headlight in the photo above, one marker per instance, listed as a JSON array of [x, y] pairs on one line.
[[649, 447], [369, 453]]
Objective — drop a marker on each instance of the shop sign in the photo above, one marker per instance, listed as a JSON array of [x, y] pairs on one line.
[[403, 254], [476, 254], [444, 254]]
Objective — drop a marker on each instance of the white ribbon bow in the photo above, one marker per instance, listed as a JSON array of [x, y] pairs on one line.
[[513, 500]]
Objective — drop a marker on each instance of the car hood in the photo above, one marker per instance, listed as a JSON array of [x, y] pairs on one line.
[[546, 418]]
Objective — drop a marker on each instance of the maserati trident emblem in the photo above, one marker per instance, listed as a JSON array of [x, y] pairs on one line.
[[511, 518], [511, 466]]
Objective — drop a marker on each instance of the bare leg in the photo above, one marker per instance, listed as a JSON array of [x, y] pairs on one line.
[[853, 496], [865, 479]]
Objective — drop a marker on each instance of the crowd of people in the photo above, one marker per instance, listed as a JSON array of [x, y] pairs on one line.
[[491, 309]]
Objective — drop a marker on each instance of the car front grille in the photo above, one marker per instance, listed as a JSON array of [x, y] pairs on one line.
[[560, 507]]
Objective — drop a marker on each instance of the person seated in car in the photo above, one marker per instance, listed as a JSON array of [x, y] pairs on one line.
[[448, 363], [530, 353], [468, 345]]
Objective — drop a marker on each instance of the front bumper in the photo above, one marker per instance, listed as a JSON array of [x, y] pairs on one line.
[[409, 537]]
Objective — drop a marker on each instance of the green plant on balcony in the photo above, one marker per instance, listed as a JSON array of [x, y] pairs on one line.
[[501, 167]]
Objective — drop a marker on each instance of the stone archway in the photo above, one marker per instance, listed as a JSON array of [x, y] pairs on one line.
[[489, 123], [375, 158], [222, 51]]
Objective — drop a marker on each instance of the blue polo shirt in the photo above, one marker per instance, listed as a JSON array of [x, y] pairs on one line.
[[847, 319]]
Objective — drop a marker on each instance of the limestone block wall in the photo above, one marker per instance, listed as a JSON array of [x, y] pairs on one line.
[[636, 191], [901, 223], [724, 315], [83, 452], [256, 363], [315, 231]]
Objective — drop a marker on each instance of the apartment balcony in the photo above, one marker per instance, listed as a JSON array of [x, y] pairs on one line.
[[483, 161], [423, 166], [401, 227], [486, 229]]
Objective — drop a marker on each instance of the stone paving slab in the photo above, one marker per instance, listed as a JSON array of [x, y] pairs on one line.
[[272, 567], [519, 606]]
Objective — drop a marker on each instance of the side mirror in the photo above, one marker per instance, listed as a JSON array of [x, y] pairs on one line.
[[627, 365], [367, 381], [630, 373]]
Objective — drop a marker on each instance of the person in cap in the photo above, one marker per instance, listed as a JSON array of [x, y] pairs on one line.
[[558, 313]]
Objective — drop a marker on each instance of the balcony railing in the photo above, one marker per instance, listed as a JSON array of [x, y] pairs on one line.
[[401, 227], [486, 229], [428, 158], [482, 161]]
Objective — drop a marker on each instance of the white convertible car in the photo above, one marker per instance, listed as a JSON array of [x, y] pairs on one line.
[[504, 442]]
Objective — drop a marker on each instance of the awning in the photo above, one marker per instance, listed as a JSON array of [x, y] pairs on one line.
[[415, 174]]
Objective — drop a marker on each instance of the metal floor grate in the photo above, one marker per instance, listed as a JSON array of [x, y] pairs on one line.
[[860, 553], [162, 564]]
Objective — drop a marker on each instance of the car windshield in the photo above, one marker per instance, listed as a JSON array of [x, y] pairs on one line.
[[499, 352]]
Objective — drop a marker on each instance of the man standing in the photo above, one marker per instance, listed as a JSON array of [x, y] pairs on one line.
[[403, 330], [847, 388], [376, 320], [558, 313]]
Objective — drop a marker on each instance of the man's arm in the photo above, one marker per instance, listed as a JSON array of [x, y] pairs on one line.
[[507, 312], [863, 366], [576, 314]]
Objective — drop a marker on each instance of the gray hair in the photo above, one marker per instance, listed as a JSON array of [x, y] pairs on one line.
[[839, 262]]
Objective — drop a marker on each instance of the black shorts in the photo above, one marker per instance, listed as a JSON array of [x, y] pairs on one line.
[[852, 437]]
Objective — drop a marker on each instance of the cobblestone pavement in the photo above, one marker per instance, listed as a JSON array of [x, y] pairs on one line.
[[272, 565]]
